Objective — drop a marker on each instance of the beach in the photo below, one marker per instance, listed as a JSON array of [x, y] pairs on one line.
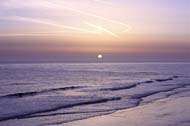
[[167, 112], [94, 62]]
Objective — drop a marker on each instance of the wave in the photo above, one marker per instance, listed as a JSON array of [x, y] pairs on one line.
[[129, 86], [33, 93], [69, 105]]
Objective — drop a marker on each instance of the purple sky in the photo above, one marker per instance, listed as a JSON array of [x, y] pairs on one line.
[[79, 30]]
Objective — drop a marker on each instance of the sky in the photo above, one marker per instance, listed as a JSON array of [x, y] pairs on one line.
[[79, 30]]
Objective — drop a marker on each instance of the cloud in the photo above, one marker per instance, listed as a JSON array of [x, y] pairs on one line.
[[46, 22], [100, 28], [107, 2], [27, 11], [20, 4], [126, 26]]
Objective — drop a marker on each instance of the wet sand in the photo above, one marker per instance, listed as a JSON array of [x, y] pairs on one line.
[[166, 112]]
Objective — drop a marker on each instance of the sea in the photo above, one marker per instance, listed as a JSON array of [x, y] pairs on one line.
[[46, 94]]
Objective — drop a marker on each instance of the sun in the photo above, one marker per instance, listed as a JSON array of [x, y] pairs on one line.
[[100, 56]]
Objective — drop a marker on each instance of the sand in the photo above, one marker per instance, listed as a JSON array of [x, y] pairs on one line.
[[166, 112]]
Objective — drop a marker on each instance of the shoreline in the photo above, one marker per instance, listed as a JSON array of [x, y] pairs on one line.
[[164, 112]]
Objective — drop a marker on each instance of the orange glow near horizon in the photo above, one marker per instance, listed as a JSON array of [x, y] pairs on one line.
[[94, 26]]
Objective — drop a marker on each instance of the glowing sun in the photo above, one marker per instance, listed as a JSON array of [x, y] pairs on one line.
[[99, 56]]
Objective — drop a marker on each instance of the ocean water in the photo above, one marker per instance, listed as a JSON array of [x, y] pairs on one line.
[[42, 94]]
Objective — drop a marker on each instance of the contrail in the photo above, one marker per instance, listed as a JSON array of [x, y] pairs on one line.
[[102, 29], [50, 23], [78, 29], [22, 34], [104, 2], [52, 33], [91, 15]]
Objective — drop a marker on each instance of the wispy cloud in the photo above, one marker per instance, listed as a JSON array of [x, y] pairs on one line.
[[100, 28], [19, 4], [47, 22], [57, 6], [107, 2], [126, 26], [43, 33]]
